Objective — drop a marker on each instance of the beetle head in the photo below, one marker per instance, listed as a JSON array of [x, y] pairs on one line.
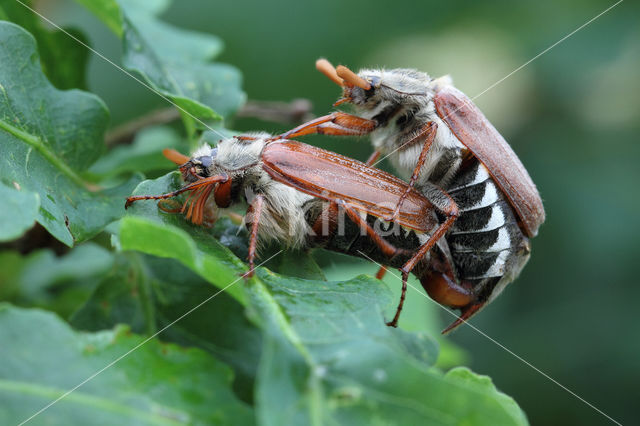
[[200, 165], [359, 89], [210, 175], [202, 180], [370, 87]]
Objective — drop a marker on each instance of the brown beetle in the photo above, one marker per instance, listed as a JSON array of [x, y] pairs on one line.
[[442, 143], [296, 193]]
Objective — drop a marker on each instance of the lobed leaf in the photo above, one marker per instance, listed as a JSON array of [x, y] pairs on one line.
[[47, 138], [329, 359], [19, 212], [156, 383], [327, 355], [484, 386], [64, 60], [149, 230], [174, 62], [151, 293], [144, 155], [109, 11]]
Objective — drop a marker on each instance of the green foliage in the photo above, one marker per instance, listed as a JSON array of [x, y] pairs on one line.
[[316, 335], [333, 360], [150, 293], [48, 138], [143, 155], [57, 283], [287, 346], [174, 62], [63, 59], [13, 225], [149, 230], [37, 367]]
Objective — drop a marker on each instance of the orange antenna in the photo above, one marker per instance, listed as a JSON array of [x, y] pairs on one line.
[[211, 180], [175, 156], [326, 68], [352, 78]]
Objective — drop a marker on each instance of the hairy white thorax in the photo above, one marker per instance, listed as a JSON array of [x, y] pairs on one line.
[[414, 91], [234, 154], [283, 215]]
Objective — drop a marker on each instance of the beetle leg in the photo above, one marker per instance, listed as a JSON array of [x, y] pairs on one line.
[[403, 294], [451, 210], [373, 158], [193, 186], [427, 134], [381, 272], [326, 223], [256, 211], [337, 124], [386, 247]]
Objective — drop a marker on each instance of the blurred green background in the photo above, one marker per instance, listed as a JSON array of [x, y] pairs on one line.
[[572, 116]]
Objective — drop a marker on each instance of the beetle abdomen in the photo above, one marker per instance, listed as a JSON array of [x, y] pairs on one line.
[[348, 238], [485, 241]]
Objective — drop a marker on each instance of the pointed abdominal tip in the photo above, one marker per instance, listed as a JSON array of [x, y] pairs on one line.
[[465, 314]]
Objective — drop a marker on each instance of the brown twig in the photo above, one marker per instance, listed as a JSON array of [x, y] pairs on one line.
[[294, 112], [125, 132]]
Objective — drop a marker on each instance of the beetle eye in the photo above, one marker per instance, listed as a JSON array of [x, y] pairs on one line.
[[206, 160], [375, 82]]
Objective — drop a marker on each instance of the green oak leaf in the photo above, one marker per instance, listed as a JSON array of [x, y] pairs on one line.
[[108, 11], [155, 384], [56, 283], [174, 62], [64, 60], [47, 137], [483, 385], [18, 213], [149, 230], [420, 313], [150, 293], [328, 358], [143, 155], [327, 355]]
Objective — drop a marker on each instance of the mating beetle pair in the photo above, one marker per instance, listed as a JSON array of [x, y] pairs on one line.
[[465, 215]]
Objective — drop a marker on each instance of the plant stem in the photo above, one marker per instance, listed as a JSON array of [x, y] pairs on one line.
[[294, 112]]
